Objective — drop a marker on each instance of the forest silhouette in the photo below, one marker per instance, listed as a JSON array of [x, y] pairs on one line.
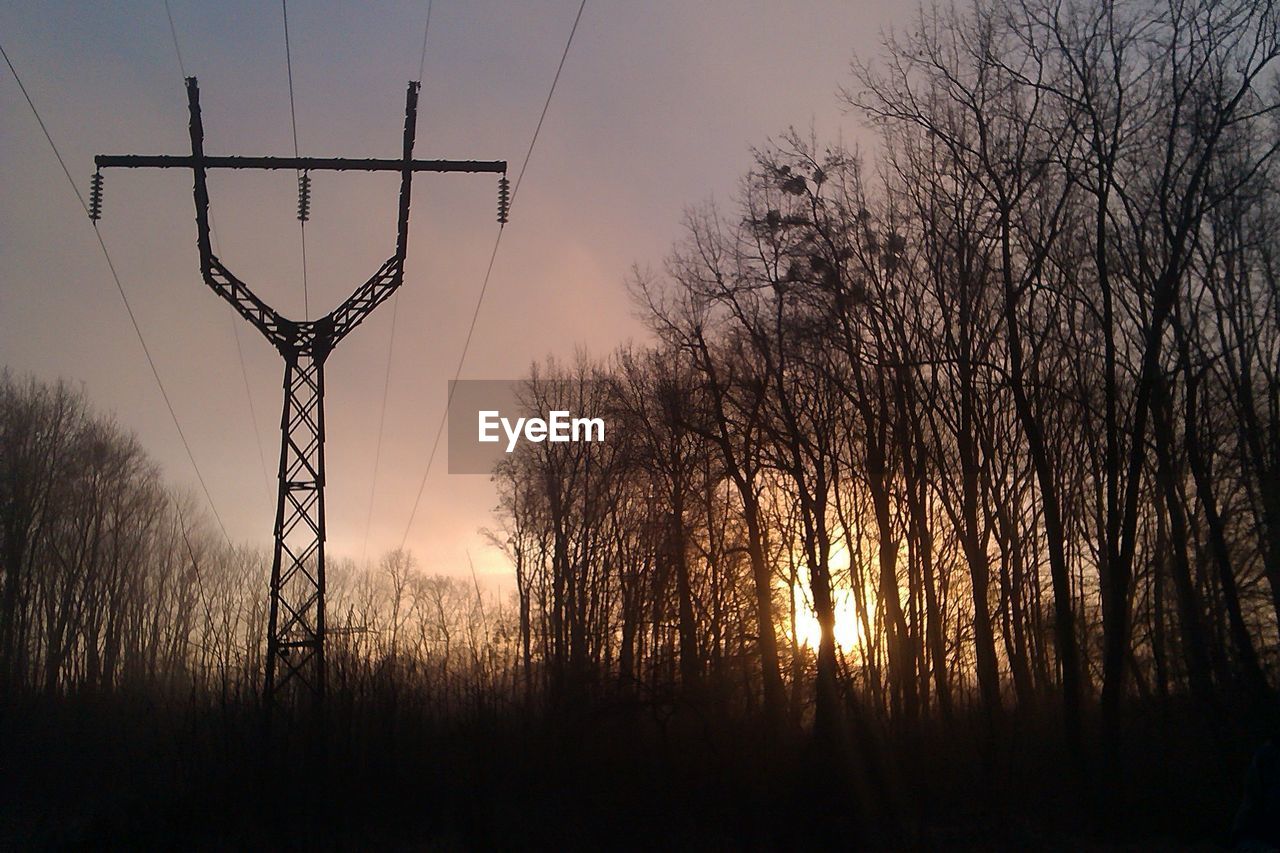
[[941, 510]]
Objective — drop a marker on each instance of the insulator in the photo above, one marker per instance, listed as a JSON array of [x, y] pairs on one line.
[[304, 197], [504, 199], [95, 197]]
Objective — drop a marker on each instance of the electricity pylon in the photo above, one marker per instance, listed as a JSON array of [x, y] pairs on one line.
[[296, 621]]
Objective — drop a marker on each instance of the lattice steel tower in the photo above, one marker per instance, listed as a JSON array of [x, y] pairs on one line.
[[296, 627]]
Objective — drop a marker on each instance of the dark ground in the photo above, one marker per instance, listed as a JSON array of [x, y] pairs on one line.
[[112, 773]]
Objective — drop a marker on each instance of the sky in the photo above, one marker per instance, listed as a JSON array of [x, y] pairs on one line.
[[657, 109]]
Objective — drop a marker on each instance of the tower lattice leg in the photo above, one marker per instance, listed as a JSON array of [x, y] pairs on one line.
[[296, 626]]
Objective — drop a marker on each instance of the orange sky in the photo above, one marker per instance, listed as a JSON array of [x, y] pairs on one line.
[[656, 109]]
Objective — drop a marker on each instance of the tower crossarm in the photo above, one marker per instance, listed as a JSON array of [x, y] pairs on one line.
[[296, 164]]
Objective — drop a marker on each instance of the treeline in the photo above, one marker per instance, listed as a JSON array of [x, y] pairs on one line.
[[113, 582], [1003, 411]]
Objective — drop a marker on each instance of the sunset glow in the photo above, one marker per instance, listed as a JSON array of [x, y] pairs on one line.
[[848, 628]]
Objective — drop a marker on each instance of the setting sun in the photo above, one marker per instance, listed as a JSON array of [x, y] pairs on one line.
[[848, 628]]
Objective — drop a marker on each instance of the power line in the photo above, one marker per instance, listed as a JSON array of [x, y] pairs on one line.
[[382, 419], [235, 330], [545, 106], [173, 31], [253, 415], [422, 59], [435, 444], [288, 62], [484, 287], [391, 342], [244, 375], [293, 120], [123, 297]]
